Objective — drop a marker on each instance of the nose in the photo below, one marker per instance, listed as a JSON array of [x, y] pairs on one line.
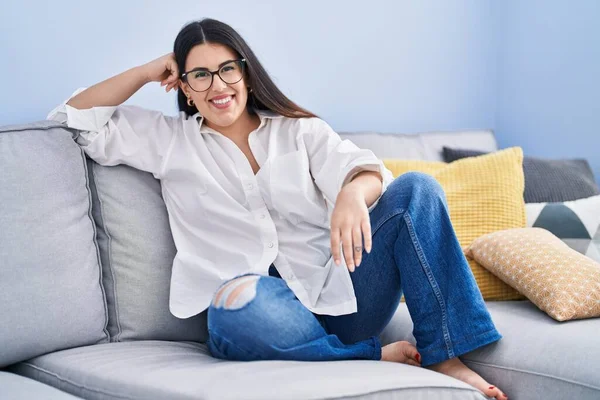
[[218, 83]]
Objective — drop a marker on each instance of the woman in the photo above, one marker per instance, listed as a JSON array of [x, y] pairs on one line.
[[269, 208]]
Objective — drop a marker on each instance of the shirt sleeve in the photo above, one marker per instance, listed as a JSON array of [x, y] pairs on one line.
[[334, 162], [121, 134]]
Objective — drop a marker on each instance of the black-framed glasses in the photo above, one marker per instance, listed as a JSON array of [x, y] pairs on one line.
[[201, 79]]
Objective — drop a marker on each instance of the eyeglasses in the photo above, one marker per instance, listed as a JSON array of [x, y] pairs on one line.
[[201, 79]]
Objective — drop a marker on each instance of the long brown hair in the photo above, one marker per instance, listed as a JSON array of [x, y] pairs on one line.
[[265, 94]]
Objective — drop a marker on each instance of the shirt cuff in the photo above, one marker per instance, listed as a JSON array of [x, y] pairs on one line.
[[89, 120], [386, 176]]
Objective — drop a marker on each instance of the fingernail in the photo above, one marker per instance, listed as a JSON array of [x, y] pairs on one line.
[[491, 387], [368, 249], [337, 262], [418, 356]]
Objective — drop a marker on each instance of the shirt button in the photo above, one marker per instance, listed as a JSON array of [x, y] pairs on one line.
[[271, 245], [262, 216], [250, 186]]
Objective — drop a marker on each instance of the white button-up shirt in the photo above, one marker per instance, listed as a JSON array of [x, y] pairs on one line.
[[225, 220]]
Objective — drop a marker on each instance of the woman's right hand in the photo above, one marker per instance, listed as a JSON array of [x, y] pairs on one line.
[[164, 70]]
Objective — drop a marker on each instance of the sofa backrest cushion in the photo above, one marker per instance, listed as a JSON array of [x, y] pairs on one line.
[[137, 250], [421, 146], [50, 275], [546, 180]]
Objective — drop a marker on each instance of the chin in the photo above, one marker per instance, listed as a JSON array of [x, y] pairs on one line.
[[224, 120]]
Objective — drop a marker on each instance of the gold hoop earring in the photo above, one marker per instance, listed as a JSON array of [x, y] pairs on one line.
[[190, 102]]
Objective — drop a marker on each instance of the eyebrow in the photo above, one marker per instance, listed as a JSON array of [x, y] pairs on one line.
[[218, 68]]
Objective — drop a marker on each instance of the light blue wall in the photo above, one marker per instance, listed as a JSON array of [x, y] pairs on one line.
[[397, 66], [529, 69], [548, 82]]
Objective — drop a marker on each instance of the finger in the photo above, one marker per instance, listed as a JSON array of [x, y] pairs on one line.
[[357, 246], [335, 245], [173, 84], [347, 247], [174, 73], [168, 81], [366, 230]]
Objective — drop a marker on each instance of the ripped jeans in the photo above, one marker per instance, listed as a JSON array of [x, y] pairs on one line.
[[415, 252]]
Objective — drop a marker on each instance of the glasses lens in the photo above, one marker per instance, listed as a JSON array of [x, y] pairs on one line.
[[231, 72], [199, 80]]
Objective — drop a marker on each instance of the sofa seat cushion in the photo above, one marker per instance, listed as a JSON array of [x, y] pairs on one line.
[[16, 387], [186, 370], [537, 357]]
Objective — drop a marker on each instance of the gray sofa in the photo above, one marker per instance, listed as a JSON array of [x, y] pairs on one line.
[[85, 262]]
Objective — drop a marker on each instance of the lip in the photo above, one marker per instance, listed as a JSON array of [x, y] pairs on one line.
[[222, 106], [221, 96]]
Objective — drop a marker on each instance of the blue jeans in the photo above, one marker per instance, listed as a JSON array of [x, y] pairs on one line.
[[415, 252]]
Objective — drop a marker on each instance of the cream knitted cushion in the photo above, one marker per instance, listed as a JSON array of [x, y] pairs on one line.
[[559, 280]]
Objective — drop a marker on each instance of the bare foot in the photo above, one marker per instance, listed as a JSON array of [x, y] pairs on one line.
[[456, 369], [401, 352]]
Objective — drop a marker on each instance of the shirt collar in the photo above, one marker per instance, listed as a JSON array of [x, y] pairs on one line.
[[264, 115]]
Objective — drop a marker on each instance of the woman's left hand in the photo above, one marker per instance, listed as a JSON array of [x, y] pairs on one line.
[[349, 223]]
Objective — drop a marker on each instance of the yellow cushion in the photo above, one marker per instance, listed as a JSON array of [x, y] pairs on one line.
[[556, 278], [484, 194]]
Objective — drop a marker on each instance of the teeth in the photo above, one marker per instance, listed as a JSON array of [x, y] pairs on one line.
[[223, 101]]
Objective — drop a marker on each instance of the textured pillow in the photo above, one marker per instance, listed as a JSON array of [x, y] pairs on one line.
[[484, 194], [577, 223], [556, 278], [50, 278], [547, 180], [137, 251]]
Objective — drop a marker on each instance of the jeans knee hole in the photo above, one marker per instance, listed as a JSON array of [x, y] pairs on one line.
[[237, 295]]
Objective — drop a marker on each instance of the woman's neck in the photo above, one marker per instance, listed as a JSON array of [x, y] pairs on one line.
[[240, 129]]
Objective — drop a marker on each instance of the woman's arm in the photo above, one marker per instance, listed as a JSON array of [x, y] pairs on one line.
[[111, 92], [112, 133], [116, 90], [368, 183]]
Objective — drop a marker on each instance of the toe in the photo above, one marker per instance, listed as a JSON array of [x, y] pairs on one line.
[[494, 392], [410, 351], [412, 362]]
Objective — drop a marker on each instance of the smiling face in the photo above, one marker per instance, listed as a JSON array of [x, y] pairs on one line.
[[223, 104]]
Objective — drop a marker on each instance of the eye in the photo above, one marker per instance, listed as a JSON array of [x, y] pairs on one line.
[[200, 74], [227, 68]]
